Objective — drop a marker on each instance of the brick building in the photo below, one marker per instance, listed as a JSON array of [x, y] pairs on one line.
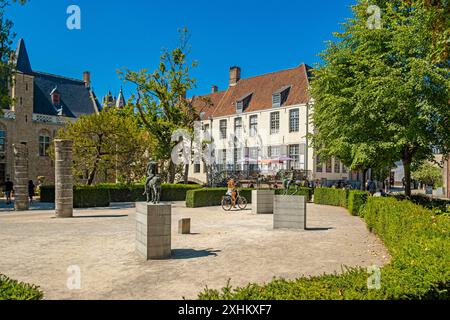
[[42, 104]]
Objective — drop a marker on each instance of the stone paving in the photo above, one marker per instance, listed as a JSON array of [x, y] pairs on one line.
[[37, 248]]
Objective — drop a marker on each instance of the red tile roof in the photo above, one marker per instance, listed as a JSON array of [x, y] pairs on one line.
[[261, 87]]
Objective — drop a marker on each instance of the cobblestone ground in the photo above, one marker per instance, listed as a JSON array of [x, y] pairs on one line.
[[36, 248]]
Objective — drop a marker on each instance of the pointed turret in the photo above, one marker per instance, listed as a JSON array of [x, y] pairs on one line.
[[120, 102], [22, 60]]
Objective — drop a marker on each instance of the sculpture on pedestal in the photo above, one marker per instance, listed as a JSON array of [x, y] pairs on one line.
[[153, 183]]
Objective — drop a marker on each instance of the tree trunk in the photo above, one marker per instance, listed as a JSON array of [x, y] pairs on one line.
[[91, 177], [407, 171], [363, 183], [172, 170], [186, 173]]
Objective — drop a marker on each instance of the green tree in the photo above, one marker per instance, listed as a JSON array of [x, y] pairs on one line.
[[380, 95], [6, 54], [109, 143], [161, 98], [429, 174]]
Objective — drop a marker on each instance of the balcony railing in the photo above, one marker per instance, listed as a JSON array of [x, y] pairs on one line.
[[8, 114], [43, 118]]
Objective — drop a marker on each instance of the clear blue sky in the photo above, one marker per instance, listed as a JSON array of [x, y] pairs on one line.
[[259, 36]]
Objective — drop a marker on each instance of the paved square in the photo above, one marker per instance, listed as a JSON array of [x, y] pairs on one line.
[[36, 248]]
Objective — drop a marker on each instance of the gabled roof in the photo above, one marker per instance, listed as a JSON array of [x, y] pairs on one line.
[[76, 99], [262, 88], [22, 60]]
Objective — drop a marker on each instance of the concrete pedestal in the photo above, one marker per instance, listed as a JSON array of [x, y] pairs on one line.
[[153, 230], [21, 177], [262, 201], [289, 212], [184, 226]]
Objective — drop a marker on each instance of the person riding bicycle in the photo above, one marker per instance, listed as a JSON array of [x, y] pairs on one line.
[[232, 191]]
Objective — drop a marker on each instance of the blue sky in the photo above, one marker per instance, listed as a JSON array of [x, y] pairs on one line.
[[259, 36]]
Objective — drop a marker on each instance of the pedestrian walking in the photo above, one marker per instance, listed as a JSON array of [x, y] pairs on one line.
[[9, 188]]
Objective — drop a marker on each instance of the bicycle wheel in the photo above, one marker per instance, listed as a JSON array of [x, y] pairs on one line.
[[242, 203], [227, 203]]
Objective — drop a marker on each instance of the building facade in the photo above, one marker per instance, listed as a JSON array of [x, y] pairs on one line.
[[261, 124], [446, 177], [42, 103]]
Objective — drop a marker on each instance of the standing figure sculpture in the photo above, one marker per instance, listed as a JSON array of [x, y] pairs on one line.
[[288, 180], [153, 183]]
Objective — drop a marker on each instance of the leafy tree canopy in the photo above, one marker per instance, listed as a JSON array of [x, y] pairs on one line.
[[380, 94]]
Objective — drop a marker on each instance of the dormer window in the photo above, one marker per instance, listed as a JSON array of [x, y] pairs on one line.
[[56, 97], [280, 97], [243, 103]]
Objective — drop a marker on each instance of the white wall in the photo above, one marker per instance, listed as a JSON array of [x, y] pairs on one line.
[[265, 138]]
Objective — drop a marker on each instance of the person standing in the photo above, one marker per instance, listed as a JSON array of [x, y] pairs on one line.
[[9, 187], [371, 187], [31, 190]]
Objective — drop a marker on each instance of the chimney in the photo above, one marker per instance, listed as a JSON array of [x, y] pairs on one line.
[[235, 75], [214, 89], [87, 79]]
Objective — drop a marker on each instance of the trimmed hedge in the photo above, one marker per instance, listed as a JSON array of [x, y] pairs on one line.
[[356, 201], [90, 197], [331, 197], [427, 202], [209, 197], [419, 243], [83, 196], [47, 193], [307, 192], [134, 193], [15, 290], [117, 193]]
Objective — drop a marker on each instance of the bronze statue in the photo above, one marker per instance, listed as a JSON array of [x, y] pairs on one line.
[[296, 178], [153, 183], [288, 180]]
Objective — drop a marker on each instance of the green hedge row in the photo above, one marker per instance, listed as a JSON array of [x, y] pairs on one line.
[[83, 196], [134, 193], [210, 197], [90, 197], [418, 241], [356, 201], [331, 197], [428, 202], [15, 290], [102, 194], [353, 200]]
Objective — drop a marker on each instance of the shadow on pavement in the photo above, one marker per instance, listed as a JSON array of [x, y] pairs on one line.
[[179, 254], [319, 229], [100, 216]]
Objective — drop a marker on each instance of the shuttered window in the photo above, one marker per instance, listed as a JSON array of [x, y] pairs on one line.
[[276, 100]]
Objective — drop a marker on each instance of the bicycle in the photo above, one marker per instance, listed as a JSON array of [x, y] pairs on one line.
[[227, 202]]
